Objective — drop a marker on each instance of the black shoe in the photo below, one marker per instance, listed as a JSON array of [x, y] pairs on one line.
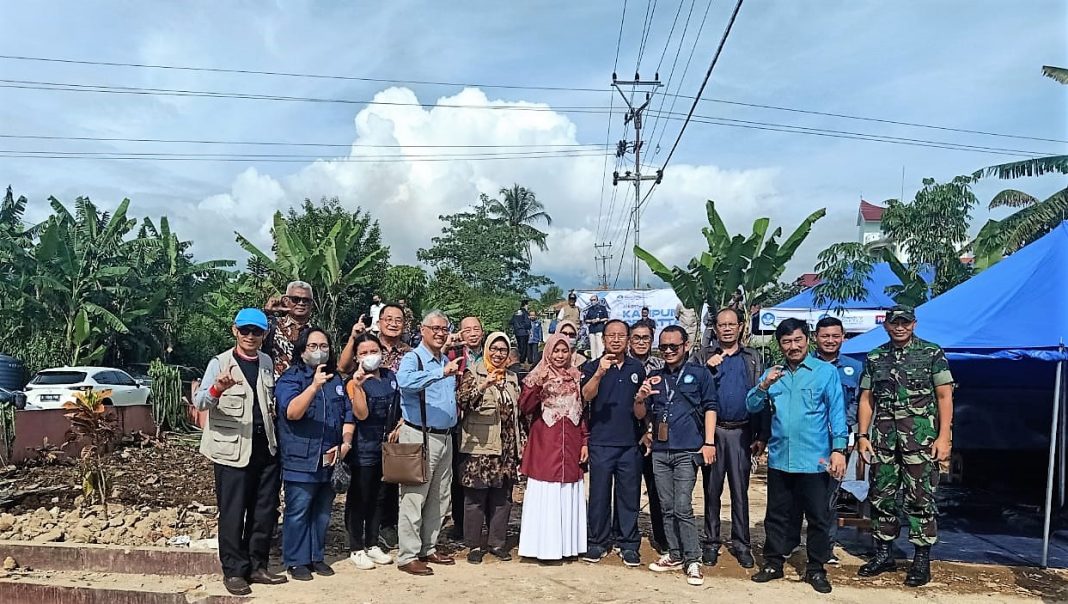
[[475, 556], [920, 571], [322, 569], [818, 580], [237, 586], [299, 573], [881, 562], [710, 557], [501, 554], [768, 573], [745, 558], [263, 577]]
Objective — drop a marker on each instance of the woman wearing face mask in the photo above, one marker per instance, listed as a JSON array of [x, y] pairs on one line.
[[489, 447], [570, 332], [554, 507], [373, 392], [315, 430]]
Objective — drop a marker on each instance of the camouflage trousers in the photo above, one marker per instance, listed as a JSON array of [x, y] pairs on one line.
[[912, 476]]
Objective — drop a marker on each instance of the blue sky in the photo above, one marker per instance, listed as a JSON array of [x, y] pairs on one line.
[[958, 64]]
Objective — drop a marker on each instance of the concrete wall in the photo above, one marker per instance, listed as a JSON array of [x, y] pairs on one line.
[[32, 427]]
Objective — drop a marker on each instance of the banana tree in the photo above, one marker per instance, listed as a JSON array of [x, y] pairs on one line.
[[999, 238], [735, 270], [324, 263]]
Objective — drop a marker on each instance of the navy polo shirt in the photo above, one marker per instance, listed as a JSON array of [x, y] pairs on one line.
[[597, 311], [732, 386], [381, 394], [695, 394], [612, 422]]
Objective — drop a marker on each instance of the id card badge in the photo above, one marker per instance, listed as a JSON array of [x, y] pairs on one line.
[[662, 431]]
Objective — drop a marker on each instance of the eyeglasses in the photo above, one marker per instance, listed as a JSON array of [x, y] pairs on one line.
[[616, 336], [568, 334], [438, 329], [300, 300], [642, 338], [498, 349], [669, 347], [725, 325], [318, 347], [247, 330], [391, 320]]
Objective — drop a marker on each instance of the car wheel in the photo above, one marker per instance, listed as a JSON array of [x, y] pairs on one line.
[[107, 402]]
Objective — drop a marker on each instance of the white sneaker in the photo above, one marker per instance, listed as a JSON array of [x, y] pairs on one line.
[[378, 556], [693, 574], [361, 560], [834, 561], [666, 564]]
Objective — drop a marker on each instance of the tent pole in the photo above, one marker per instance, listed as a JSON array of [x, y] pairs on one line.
[[1052, 457]]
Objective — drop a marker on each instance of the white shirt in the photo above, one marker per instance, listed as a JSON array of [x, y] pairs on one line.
[[376, 310]]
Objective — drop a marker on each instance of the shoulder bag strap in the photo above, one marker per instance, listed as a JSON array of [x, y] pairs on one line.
[[422, 412]]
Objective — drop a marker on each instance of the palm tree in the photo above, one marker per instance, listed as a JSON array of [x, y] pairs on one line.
[[522, 210]]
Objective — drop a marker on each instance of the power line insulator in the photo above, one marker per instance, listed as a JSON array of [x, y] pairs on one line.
[[621, 148], [615, 178], [656, 76], [659, 176], [637, 78], [614, 78]]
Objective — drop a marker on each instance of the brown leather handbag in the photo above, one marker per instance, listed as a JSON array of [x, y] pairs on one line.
[[406, 463]]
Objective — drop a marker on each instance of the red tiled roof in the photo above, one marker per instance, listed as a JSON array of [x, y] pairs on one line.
[[871, 212], [808, 280]]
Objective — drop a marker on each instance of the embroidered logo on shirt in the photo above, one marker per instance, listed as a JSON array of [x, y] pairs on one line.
[[393, 384], [848, 370], [634, 377], [688, 379], [340, 391]]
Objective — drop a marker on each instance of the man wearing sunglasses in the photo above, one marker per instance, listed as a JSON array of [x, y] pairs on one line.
[[239, 438], [641, 348], [740, 435], [294, 312]]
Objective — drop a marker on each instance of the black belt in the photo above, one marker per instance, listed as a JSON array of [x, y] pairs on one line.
[[732, 425], [442, 431]]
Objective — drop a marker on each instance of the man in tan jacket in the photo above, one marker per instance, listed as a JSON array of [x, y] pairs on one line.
[[239, 437]]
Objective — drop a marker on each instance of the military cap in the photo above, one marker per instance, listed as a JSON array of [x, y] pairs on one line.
[[900, 311]]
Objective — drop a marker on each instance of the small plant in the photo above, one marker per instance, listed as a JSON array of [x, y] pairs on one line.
[[169, 408], [47, 454], [92, 424]]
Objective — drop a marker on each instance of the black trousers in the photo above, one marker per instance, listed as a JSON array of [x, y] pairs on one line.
[[248, 509], [487, 507], [522, 342], [733, 465], [364, 505], [789, 496], [615, 495], [655, 512]]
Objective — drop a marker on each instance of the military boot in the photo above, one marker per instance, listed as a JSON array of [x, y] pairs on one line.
[[920, 571], [881, 562]]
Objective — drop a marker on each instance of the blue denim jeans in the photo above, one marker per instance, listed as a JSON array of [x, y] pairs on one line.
[[306, 519], [676, 474]]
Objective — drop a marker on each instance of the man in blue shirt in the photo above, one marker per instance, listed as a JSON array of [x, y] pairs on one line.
[[681, 400], [609, 385], [739, 435], [830, 333], [808, 432], [596, 319], [426, 372], [533, 354], [520, 325]]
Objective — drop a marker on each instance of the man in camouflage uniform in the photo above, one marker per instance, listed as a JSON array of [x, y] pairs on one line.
[[906, 401]]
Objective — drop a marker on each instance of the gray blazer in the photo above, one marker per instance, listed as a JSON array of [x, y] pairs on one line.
[[227, 437]]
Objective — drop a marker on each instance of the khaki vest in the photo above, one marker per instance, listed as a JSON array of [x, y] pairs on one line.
[[482, 425], [227, 436]]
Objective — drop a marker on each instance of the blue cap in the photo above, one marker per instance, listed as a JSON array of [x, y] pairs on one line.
[[251, 316]]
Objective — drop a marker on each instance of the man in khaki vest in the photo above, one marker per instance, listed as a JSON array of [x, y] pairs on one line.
[[239, 437]]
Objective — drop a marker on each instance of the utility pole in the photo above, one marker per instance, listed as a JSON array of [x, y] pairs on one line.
[[604, 258], [634, 114]]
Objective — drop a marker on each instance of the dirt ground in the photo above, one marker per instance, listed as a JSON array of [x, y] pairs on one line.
[[177, 475]]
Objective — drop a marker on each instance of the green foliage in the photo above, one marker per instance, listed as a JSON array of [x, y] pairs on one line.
[[336, 252], [94, 426], [169, 408], [551, 295], [520, 209], [486, 252], [780, 292], [999, 238], [735, 271], [404, 282], [450, 293], [843, 270], [1037, 166]]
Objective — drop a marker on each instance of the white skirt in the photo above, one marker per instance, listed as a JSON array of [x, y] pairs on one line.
[[554, 520]]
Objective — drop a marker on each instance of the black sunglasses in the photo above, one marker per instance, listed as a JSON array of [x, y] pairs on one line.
[[669, 347], [299, 300], [247, 330]]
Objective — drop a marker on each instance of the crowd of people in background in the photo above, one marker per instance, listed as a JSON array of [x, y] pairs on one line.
[[523, 418]]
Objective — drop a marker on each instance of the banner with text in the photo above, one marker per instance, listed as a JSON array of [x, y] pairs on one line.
[[626, 304]]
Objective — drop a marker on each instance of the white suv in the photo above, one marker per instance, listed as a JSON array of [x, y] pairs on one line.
[[50, 388]]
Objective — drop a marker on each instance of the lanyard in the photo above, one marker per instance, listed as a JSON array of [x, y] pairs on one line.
[[671, 392]]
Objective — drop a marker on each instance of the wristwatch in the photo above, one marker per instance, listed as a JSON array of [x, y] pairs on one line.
[[862, 435], [841, 451], [713, 445]]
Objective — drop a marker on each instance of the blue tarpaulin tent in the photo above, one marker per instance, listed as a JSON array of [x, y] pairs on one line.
[[881, 277], [1015, 310]]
